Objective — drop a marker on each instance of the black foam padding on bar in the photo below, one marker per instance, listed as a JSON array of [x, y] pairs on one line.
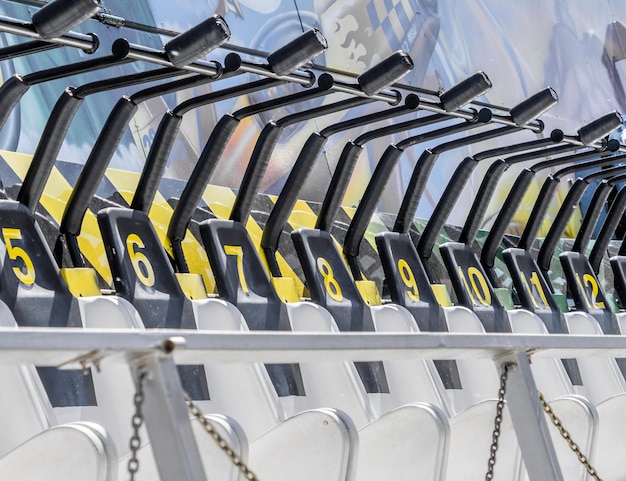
[[538, 212], [202, 172], [338, 186], [594, 210], [559, 223], [612, 220], [156, 161], [289, 195], [424, 165], [367, 205], [197, 41], [60, 16], [443, 208], [96, 165], [255, 171], [11, 91], [48, 149], [600, 127], [481, 201], [414, 191], [306, 47], [504, 217]]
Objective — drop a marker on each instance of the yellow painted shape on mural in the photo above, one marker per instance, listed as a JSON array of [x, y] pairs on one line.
[[219, 199], [522, 214], [125, 182], [160, 212], [198, 262], [302, 216], [54, 199]]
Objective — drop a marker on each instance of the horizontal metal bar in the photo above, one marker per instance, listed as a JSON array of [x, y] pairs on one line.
[[155, 56], [25, 29], [435, 107], [66, 346], [89, 43], [307, 79]]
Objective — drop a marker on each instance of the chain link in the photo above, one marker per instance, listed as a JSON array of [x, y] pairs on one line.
[[136, 421], [566, 435], [495, 437], [221, 442], [553, 417]]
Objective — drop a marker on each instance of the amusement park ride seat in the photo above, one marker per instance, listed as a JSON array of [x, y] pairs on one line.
[[405, 417]]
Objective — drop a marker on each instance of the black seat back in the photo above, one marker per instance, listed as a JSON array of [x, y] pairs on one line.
[[142, 272], [32, 288], [241, 279], [410, 287], [407, 280], [143, 275], [533, 292], [332, 287], [586, 290], [535, 295], [472, 287]]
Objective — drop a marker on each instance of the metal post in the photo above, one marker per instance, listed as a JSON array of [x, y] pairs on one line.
[[167, 418], [529, 421]]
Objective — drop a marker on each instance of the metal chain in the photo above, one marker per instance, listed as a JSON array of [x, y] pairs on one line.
[[221, 442], [136, 421], [491, 464], [566, 435]]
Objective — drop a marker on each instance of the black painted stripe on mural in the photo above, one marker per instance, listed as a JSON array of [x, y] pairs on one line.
[[8, 176]]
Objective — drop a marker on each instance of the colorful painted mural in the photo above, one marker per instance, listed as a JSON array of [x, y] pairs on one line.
[[573, 46]]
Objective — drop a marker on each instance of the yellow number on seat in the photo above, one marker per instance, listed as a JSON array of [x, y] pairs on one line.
[[406, 274], [330, 283], [589, 280], [237, 251], [139, 259], [16, 252], [534, 281], [479, 290], [483, 294]]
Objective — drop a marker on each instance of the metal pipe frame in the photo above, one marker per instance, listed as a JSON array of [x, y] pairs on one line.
[[165, 413], [513, 200], [566, 211], [86, 42], [89, 43]]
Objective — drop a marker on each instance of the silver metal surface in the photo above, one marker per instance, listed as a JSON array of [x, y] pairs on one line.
[[55, 346], [529, 421], [23, 29], [167, 420]]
